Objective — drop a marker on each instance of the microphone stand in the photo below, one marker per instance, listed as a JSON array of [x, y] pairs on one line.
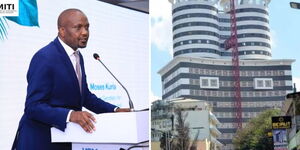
[[130, 101]]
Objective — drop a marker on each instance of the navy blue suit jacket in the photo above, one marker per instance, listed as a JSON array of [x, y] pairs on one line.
[[53, 91]]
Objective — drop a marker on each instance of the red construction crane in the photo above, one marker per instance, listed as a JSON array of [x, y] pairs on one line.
[[232, 42]]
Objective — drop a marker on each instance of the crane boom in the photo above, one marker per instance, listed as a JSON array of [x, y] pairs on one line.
[[232, 42]]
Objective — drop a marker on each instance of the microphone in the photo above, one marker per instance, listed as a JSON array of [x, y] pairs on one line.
[[96, 56]]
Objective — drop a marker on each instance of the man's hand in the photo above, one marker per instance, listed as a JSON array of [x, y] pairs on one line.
[[84, 119], [123, 110]]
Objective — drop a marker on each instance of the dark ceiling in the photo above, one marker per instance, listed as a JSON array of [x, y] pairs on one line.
[[140, 5]]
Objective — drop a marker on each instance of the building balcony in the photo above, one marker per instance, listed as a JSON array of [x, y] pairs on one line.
[[214, 140], [214, 130], [214, 118]]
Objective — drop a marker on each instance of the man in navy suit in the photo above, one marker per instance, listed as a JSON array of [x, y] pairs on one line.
[[57, 88]]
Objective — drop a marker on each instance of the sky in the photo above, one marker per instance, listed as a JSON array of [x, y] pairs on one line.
[[284, 27]]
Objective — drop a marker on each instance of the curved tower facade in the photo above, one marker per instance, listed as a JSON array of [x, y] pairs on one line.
[[252, 28], [200, 28], [195, 28]]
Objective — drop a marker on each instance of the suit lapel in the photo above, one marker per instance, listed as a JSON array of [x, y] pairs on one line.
[[67, 62]]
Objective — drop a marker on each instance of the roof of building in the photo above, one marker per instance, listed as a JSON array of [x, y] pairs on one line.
[[224, 62]]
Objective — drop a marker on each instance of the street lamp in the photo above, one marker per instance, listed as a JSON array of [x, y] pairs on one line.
[[295, 5]]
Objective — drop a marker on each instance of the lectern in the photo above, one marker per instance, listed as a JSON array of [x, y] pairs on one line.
[[113, 131]]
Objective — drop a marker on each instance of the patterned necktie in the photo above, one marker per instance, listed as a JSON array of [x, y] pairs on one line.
[[78, 70]]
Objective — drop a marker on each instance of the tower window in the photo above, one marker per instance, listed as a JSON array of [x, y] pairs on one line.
[[263, 83], [209, 82], [204, 82]]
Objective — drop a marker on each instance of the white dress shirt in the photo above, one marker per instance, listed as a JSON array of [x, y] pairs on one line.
[[70, 53]]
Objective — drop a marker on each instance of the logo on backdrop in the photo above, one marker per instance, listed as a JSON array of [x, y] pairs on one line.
[[9, 7], [24, 13]]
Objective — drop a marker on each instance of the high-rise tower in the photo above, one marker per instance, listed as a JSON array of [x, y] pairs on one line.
[[196, 28], [200, 28], [202, 68]]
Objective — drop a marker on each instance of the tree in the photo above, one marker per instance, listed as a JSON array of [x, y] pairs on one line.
[[182, 129], [254, 135]]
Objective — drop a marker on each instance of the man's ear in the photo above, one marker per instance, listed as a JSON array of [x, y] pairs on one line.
[[61, 32]]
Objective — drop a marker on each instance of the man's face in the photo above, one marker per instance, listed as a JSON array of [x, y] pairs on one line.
[[75, 30]]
